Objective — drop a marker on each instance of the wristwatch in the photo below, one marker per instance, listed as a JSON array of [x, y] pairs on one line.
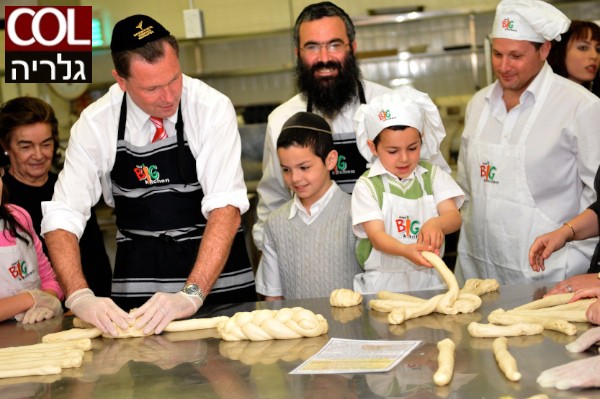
[[194, 290]]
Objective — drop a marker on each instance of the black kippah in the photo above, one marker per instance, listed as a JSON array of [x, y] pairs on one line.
[[136, 31]]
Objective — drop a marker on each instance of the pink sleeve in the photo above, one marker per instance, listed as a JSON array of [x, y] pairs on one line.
[[47, 276]]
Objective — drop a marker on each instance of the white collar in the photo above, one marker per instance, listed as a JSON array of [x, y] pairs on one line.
[[531, 92], [315, 208], [136, 118], [377, 169]]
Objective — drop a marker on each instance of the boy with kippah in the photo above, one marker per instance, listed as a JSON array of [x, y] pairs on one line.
[[309, 245]]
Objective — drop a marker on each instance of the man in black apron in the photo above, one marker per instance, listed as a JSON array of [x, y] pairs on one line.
[[173, 173], [330, 84]]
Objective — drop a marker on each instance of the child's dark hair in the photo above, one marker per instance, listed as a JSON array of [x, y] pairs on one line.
[[395, 127], [307, 130], [12, 227]]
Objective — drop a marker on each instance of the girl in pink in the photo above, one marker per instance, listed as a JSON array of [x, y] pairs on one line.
[[29, 291]]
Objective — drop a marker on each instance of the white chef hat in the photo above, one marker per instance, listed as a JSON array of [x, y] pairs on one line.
[[405, 106], [531, 20]]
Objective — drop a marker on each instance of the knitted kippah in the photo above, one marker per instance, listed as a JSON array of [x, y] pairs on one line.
[[306, 121]]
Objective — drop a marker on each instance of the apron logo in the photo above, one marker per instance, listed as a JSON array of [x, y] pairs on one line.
[[149, 174], [409, 228], [341, 167], [488, 172], [507, 24], [19, 270]]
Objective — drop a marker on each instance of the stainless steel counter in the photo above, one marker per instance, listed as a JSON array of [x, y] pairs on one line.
[[199, 365]]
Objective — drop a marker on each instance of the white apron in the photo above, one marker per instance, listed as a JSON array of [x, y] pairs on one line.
[[403, 219], [19, 266], [497, 233]]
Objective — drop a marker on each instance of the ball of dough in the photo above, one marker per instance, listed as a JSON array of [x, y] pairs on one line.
[[344, 298]]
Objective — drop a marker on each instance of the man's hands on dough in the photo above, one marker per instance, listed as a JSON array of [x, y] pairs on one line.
[[162, 308], [99, 311]]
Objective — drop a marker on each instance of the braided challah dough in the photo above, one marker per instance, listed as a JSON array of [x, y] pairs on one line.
[[344, 298], [404, 307], [269, 352], [265, 324]]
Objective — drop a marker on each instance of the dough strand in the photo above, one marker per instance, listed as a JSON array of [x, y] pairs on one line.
[[506, 361], [443, 375]]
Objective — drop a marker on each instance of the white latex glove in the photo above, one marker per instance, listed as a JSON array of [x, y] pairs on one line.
[[162, 308], [584, 373], [45, 307], [585, 340], [99, 311]]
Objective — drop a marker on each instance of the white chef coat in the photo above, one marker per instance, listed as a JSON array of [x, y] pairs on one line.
[[559, 159], [271, 189], [210, 126]]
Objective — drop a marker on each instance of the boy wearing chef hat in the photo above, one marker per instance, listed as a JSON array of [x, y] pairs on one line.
[[529, 153], [401, 205]]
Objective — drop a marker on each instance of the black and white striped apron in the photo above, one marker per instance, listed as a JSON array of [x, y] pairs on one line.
[[158, 213]]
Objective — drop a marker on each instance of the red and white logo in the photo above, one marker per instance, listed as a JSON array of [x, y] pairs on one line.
[[48, 44]]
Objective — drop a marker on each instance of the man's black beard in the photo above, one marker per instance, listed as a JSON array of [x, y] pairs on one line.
[[329, 95]]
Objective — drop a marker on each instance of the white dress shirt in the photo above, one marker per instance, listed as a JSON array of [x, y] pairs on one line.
[[210, 126]]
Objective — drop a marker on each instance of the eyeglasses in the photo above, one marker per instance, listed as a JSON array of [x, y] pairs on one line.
[[335, 46]]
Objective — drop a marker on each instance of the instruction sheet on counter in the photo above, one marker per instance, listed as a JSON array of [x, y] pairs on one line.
[[350, 356]]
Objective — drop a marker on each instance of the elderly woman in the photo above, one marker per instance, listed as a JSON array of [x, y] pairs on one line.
[[29, 137]]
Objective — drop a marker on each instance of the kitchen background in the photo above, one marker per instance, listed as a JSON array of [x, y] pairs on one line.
[[247, 52]]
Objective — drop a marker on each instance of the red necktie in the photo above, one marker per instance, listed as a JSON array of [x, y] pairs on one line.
[[160, 129]]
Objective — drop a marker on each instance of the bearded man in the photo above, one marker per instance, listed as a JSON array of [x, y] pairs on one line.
[[329, 84]]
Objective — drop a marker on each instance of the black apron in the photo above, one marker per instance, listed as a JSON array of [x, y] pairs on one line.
[[158, 213], [350, 164]]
